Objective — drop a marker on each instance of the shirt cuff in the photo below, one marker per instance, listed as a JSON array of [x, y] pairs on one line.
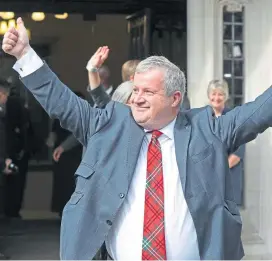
[[28, 64]]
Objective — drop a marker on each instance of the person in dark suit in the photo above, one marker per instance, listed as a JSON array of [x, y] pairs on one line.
[[2, 129], [4, 161], [104, 75], [218, 94], [18, 148], [158, 184]]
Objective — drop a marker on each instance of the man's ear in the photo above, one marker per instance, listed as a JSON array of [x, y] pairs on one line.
[[177, 97]]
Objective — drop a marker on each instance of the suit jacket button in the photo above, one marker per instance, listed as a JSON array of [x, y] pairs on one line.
[[109, 222], [121, 195]]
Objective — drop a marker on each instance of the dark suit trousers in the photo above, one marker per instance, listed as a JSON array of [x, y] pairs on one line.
[[14, 187]]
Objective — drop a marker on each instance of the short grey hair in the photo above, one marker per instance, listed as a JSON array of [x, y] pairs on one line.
[[174, 78], [221, 85], [123, 92]]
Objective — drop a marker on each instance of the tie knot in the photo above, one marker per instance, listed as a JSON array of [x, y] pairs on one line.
[[156, 134]]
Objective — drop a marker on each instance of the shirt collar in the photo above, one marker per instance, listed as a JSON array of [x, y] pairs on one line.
[[109, 90], [168, 130]]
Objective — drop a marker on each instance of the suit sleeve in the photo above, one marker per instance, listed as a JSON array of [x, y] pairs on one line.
[[99, 96], [244, 123], [240, 152], [101, 99], [74, 113], [69, 143]]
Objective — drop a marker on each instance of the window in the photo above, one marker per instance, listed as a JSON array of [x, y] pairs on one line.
[[233, 55]]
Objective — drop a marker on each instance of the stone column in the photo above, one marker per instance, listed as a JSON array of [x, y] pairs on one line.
[[258, 163], [204, 61]]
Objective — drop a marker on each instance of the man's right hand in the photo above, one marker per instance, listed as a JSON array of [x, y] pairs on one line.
[[7, 170], [15, 41]]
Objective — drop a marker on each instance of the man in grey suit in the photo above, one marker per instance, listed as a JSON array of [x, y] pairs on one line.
[[158, 186]]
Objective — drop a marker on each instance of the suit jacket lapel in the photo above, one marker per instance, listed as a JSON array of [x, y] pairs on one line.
[[135, 139], [182, 133]]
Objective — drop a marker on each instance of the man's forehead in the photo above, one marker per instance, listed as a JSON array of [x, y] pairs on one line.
[[150, 75]]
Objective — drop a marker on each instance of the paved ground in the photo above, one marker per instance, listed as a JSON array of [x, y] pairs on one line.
[[31, 240]]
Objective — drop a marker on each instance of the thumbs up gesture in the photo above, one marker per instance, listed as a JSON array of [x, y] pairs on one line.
[[15, 41]]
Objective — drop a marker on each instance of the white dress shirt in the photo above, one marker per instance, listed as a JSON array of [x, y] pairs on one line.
[[28, 64], [124, 241]]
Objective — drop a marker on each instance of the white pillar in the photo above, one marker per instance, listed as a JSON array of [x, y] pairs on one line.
[[258, 163], [204, 61]]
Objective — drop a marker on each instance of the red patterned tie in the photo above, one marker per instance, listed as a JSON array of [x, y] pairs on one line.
[[153, 247]]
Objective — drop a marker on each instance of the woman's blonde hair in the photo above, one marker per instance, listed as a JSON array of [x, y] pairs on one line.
[[221, 85], [128, 69]]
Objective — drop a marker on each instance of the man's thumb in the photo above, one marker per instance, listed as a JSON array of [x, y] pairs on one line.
[[20, 23]]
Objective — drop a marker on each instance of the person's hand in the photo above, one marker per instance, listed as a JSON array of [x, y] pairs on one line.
[[99, 57], [7, 170], [15, 41], [57, 153]]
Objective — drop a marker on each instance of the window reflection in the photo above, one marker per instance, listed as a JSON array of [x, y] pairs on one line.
[[238, 32], [227, 68], [227, 16], [238, 17], [227, 50], [238, 86], [227, 32], [232, 51], [238, 50], [238, 68], [238, 101]]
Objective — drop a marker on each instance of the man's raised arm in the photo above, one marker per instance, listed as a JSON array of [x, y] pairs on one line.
[[59, 101], [244, 123]]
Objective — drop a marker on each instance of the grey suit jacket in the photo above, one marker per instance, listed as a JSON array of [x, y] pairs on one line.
[[202, 145], [100, 98]]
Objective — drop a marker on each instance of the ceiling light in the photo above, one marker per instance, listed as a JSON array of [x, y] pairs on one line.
[[61, 16], [3, 27], [7, 15], [28, 33], [38, 16], [11, 23]]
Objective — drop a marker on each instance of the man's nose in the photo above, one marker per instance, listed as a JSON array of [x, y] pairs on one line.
[[138, 98]]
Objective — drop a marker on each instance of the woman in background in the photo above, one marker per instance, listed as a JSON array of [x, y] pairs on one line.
[[218, 94]]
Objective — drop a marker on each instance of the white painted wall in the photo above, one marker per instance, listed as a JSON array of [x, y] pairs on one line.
[[204, 54]]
